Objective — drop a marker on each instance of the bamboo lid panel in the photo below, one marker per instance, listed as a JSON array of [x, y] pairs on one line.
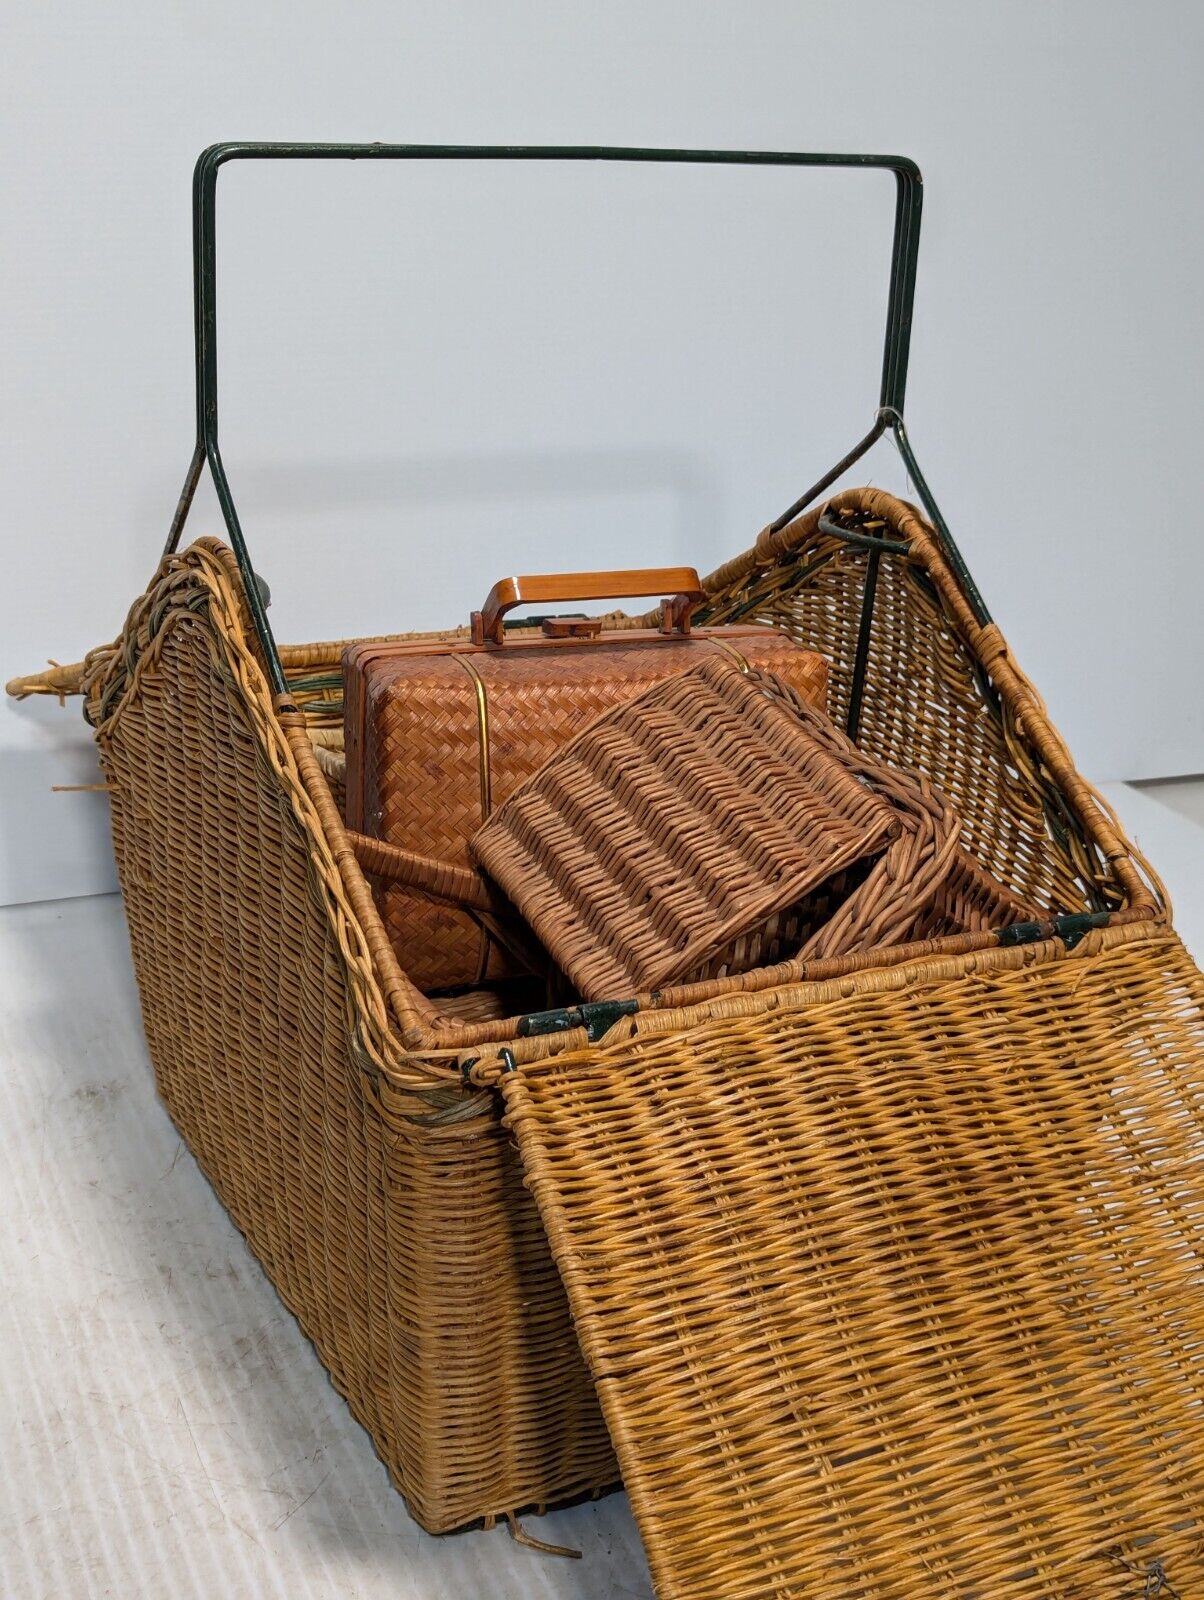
[[900, 1294], [716, 823], [672, 826]]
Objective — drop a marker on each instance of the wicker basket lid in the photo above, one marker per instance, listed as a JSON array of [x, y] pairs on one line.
[[674, 825], [893, 1292]]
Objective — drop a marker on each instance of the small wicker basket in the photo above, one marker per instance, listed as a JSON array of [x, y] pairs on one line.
[[695, 830]]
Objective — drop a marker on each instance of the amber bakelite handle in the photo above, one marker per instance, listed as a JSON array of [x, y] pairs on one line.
[[681, 584]]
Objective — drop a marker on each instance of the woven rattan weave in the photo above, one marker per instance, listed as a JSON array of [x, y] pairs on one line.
[[900, 1295], [351, 1126]]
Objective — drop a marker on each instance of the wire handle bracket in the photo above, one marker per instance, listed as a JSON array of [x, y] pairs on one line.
[[904, 251]]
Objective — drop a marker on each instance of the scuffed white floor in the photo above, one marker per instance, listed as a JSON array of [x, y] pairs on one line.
[[165, 1429]]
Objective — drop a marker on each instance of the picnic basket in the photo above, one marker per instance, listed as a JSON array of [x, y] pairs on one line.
[[877, 1271]]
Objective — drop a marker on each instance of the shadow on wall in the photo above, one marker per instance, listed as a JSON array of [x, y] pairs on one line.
[[460, 519], [351, 542]]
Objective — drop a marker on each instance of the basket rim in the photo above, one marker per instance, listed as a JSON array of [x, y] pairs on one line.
[[407, 1038]]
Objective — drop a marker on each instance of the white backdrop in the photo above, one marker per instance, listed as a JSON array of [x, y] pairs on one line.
[[432, 376]]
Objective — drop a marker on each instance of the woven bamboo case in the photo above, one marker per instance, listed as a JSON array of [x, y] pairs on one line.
[[440, 733]]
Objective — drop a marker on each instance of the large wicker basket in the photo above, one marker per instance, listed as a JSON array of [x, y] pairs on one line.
[[926, 1134]]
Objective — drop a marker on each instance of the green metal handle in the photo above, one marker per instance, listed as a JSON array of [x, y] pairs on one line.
[[908, 201]]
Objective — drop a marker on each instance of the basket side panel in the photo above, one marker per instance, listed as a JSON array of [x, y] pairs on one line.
[[929, 701], [244, 1002], [514, 1402], [924, 707], [410, 1253]]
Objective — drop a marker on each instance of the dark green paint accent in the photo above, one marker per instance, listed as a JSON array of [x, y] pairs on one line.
[[538, 1023], [868, 541], [865, 628], [597, 1017], [1070, 928], [956, 560], [600, 1016], [830, 477]]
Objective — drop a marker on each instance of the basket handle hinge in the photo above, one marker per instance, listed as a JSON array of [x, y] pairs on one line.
[[597, 1017], [1071, 929]]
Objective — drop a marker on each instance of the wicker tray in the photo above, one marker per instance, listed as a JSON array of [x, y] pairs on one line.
[[697, 829]]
